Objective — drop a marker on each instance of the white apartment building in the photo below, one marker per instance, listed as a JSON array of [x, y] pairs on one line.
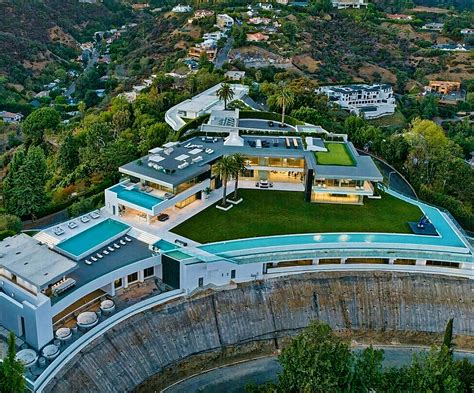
[[371, 101], [182, 9]]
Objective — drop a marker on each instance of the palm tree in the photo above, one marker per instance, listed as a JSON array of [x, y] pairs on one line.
[[284, 98], [225, 168], [225, 93], [239, 166]]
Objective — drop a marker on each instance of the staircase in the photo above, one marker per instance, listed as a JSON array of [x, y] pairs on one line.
[[46, 238], [144, 237]]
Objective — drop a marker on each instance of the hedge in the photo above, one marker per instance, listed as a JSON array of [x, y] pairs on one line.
[[454, 206], [269, 116], [193, 124]]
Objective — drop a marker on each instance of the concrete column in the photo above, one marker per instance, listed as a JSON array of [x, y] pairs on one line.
[[421, 262], [148, 219], [315, 261], [141, 276], [391, 261], [343, 260], [469, 266], [125, 281]]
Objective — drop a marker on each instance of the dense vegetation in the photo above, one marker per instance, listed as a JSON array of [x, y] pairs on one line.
[[319, 361]]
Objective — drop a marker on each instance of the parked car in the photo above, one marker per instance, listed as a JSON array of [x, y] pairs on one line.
[[163, 217]]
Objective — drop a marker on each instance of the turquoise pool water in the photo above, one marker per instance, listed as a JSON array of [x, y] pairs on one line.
[[136, 197], [92, 237], [165, 246], [447, 238]]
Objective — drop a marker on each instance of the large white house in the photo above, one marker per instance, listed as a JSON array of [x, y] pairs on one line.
[[371, 101]]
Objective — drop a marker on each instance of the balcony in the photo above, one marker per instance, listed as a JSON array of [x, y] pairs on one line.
[[365, 189]]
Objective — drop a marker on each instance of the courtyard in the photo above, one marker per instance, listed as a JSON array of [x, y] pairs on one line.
[[267, 213]]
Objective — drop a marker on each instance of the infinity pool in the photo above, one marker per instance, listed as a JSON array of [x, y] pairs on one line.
[[136, 197], [447, 238], [87, 241]]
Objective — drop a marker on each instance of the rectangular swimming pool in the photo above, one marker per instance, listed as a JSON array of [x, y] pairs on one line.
[[92, 238], [136, 197]]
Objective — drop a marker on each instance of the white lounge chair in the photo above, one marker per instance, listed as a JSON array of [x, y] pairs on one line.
[[122, 242], [94, 259], [110, 249], [100, 256], [72, 225], [88, 262], [116, 245], [95, 215], [85, 219], [105, 252], [58, 231], [128, 239]]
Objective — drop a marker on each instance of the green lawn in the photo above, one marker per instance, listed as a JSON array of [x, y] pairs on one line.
[[264, 213], [337, 154]]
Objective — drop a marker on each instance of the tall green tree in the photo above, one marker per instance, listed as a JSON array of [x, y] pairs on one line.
[[239, 167], [284, 99], [225, 93], [39, 122], [11, 370], [68, 154], [225, 168], [448, 334]]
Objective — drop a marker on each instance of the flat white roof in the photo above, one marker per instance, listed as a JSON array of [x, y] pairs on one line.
[[32, 261]]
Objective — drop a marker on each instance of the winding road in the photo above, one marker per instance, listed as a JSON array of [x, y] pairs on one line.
[[233, 378]]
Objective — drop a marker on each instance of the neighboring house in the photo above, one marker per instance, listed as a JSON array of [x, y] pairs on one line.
[[215, 35], [200, 14], [342, 4], [10, 117], [208, 46], [282, 2], [257, 37], [451, 47], [235, 75], [259, 21], [224, 21], [182, 9], [433, 26], [401, 17], [266, 6], [467, 31], [140, 6], [200, 104], [371, 101], [443, 87]]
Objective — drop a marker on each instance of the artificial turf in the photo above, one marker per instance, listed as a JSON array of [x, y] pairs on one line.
[[265, 213], [337, 154]]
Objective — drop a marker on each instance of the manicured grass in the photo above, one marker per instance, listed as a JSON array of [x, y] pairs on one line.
[[265, 213], [337, 154], [397, 120]]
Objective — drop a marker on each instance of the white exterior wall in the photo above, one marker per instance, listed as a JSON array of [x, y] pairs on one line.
[[16, 303], [218, 273]]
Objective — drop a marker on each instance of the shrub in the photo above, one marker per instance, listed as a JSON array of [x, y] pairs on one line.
[[193, 124]]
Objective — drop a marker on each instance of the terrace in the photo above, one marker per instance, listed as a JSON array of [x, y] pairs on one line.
[[336, 154]]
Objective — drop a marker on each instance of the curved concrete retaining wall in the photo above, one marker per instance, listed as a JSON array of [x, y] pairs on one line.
[[147, 343]]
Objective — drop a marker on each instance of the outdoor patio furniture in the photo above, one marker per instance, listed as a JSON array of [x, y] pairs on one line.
[[116, 245], [128, 239], [27, 357], [105, 252], [87, 262], [50, 351], [72, 225], [58, 231], [107, 306], [122, 242], [87, 319], [95, 215], [100, 256], [85, 219], [111, 249], [63, 334], [94, 259]]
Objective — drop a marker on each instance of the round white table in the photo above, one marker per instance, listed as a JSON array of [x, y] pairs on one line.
[[50, 351], [63, 334], [27, 357], [107, 306], [87, 319]]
